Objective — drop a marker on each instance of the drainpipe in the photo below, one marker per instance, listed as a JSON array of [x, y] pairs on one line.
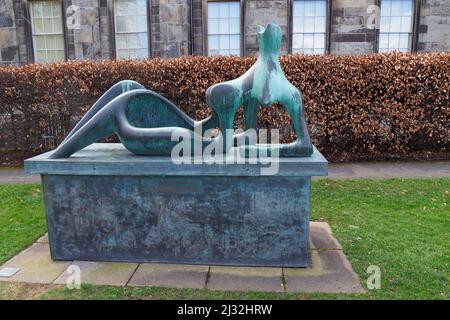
[[191, 28]]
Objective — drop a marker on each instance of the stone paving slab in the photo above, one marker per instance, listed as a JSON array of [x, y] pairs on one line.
[[322, 237], [100, 273], [330, 271], [245, 279], [170, 275], [389, 169], [36, 265]]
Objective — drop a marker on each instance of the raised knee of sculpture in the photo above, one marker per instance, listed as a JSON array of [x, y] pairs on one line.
[[145, 121]]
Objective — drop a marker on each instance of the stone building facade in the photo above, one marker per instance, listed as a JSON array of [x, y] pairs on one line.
[[51, 30]]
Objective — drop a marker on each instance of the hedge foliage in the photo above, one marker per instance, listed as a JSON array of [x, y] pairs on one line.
[[378, 106]]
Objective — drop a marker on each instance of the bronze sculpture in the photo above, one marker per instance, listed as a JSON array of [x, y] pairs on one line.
[[145, 122]]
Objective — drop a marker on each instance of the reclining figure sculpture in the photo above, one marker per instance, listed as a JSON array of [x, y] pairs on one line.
[[145, 121]]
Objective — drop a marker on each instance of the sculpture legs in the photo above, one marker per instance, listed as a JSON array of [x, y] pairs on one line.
[[302, 145], [110, 94]]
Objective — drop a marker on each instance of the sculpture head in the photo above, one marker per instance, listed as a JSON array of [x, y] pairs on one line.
[[269, 39]]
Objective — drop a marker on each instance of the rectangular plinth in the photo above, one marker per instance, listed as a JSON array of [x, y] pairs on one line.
[[239, 218]]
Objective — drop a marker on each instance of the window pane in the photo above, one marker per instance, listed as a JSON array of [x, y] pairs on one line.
[[297, 41], [320, 9], [213, 26], [234, 10], [224, 27], [309, 26], [213, 10], [51, 56], [57, 25], [384, 24], [37, 9], [121, 41], [319, 40], [235, 25], [319, 51], [396, 8], [213, 42], [141, 53], [404, 40], [384, 37], [308, 41], [48, 25], [310, 8], [298, 25], [235, 42], [386, 8], [405, 24], [120, 24], [46, 10], [224, 10], [320, 24], [393, 41], [122, 54], [38, 27], [395, 25], [224, 42], [56, 9], [143, 40], [39, 42], [60, 55], [299, 8], [406, 8]]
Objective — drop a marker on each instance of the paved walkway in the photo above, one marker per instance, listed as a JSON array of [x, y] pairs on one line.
[[357, 170], [387, 169], [330, 271]]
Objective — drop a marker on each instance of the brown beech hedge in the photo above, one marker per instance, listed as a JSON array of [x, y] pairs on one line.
[[372, 107]]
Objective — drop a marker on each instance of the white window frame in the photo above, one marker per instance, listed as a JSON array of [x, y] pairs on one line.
[[34, 34], [324, 33], [208, 34], [131, 32]]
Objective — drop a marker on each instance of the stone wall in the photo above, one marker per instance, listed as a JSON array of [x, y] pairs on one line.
[[434, 27], [261, 12], [349, 31], [177, 27], [170, 28], [82, 29], [197, 26]]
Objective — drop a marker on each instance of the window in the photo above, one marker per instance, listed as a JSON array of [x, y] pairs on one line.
[[395, 25], [309, 26], [46, 27], [131, 28], [224, 28]]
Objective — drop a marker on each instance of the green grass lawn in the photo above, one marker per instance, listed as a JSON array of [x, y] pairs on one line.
[[22, 218], [400, 225]]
